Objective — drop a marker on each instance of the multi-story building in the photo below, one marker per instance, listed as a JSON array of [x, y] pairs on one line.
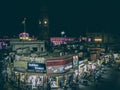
[[27, 44], [106, 40], [38, 46]]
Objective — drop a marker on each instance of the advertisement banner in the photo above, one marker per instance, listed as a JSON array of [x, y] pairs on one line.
[[59, 69], [37, 67], [55, 69], [68, 66]]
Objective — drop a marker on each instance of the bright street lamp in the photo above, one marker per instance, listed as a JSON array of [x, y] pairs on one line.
[[62, 33]]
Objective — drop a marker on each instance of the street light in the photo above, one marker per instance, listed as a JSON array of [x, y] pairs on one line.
[[62, 33]]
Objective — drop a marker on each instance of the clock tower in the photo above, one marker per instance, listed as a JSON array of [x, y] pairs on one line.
[[44, 21]]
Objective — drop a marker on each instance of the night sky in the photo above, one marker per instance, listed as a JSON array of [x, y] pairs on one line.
[[75, 17]]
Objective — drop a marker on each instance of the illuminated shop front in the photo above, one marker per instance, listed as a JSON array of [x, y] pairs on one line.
[[92, 65], [80, 67], [19, 71], [36, 74], [33, 80], [58, 65], [30, 74], [57, 68], [85, 65], [89, 66]]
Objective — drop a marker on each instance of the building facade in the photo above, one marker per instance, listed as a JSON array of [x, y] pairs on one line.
[[38, 46]]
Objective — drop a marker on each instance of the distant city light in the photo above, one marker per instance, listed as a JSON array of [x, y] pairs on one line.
[[60, 40], [24, 36], [97, 39], [89, 39]]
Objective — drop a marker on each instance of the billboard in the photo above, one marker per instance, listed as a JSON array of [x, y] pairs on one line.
[[55, 69], [37, 67], [59, 69], [60, 40], [59, 65], [67, 67]]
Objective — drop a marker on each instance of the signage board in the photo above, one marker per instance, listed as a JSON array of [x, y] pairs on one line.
[[38, 67], [20, 64], [75, 61], [55, 69], [68, 67]]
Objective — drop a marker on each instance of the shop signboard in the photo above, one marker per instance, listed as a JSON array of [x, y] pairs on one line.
[[37, 67], [20, 64], [55, 62], [75, 61], [55, 69], [68, 67], [59, 69], [38, 59], [59, 65]]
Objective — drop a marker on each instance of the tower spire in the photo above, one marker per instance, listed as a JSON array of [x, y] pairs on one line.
[[24, 23]]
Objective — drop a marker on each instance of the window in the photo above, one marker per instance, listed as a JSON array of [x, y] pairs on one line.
[[41, 49], [35, 48]]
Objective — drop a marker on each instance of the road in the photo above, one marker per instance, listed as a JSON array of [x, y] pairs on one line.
[[110, 81]]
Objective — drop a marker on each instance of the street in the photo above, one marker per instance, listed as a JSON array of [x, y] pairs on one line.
[[110, 81]]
